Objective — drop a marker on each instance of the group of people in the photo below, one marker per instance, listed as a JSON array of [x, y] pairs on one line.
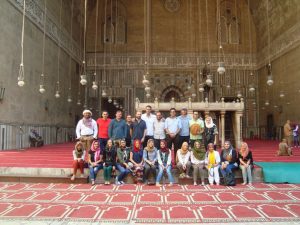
[[144, 146], [291, 136]]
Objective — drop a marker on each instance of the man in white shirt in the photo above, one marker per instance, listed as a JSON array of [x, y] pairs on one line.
[[172, 128], [149, 118], [159, 130], [86, 130]]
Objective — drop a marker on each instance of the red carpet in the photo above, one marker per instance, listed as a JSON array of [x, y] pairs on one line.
[[150, 204], [60, 155]]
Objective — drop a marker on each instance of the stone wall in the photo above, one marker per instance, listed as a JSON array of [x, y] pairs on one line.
[[26, 106]]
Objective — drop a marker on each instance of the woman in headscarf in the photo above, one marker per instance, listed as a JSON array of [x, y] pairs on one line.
[[198, 161], [212, 162], [246, 162], [150, 160], [164, 163], [95, 161], [210, 131], [229, 159], [78, 159], [109, 161], [136, 161], [183, 160]]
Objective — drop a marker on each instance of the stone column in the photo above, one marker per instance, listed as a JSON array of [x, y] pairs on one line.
[[223, 127], [238, 128]]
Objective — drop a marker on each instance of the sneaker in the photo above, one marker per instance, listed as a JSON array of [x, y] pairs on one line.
[[158, 185], [93, 182], [244, 183], [118, 183], [195, 183], [202, 184], [73, 177], [122, 182], [187, 176]]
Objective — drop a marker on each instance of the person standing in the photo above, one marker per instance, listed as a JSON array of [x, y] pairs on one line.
[[196, 128], [159, 130], [138, 128], [288, 134], [210, 132], [172, 129], [103, 124], [149, 119], [128, 137], [117, 129], [296, 135], [86, 130], [184, 134]]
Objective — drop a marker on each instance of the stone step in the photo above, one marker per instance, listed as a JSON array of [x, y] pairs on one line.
[[62, 175]]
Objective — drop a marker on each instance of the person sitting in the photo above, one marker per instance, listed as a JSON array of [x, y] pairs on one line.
[[95, 161], [198, 161], [284, 149], [137, 161], [229, 162], [164, 163], [78, 160], [150, 159], [212, 162], [183, 160], [246, 163], [109, 161], [123, 155], [35, 139]]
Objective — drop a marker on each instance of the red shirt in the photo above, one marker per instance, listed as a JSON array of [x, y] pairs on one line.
[[103, 127]]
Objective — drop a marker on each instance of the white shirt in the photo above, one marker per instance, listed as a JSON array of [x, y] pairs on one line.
[[159, 129], [194, 160], [81, 129], [149, 123], [183, 159], [172, 124]]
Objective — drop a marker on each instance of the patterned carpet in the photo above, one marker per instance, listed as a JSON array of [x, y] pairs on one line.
[[150, 204]]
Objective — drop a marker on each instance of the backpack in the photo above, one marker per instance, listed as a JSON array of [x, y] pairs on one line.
[[229, 179]]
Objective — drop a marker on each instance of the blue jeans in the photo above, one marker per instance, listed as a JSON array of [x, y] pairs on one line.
[[161, 171], [94, 171], [123, 172], [228, 169], [102, 143]]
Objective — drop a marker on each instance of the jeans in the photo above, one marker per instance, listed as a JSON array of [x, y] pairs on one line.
[[198, 168], [102, 143], [107, 173], [123, 172], [149, 169], [228, 169], [168, 171], [94, 170], [246, 173]]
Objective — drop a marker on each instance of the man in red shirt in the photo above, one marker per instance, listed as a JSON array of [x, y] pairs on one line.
[[103, 124]]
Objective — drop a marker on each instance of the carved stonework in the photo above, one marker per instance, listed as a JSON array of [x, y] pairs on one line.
[[172, 5], [35, 13]]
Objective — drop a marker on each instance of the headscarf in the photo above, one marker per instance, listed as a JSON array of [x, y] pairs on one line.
[[77, 152], [226, 152], [244, 151], [148, 143], [96, 151], [135, 149], [182, 151], [199, 153], [211, 123], [165, 149]]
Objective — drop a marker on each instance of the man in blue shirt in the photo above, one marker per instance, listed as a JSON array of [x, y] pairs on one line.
[[184, 134], [117, 129], [138, 128]]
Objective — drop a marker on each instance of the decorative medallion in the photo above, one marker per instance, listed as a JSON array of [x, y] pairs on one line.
[[172, 5]]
